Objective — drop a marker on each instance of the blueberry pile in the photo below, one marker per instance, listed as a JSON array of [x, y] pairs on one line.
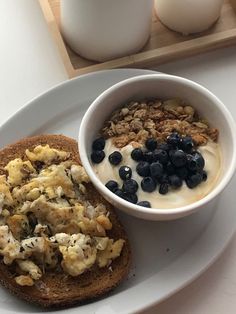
[[162, 166], [98, 154]]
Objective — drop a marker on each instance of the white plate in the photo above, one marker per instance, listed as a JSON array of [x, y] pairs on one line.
[[167, 255]]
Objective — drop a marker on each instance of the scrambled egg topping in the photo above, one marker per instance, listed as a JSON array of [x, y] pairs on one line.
[[46, 222]]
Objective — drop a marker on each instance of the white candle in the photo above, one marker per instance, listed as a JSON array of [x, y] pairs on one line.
[[188, 16]]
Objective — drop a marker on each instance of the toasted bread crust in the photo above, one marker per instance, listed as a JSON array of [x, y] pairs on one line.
[[58, 289]]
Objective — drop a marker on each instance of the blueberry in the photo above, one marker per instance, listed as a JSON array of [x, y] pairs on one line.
[[187, 144], [164, 188], [204, 175], [164, 178], [148, 184], [143, 168], [125, 172], [197, 156], [179, 158], [195, 162], [191, 163], [182, 172], [161, 156], [156, 169], [112, 185], [169, 168], [175, 181], [137, 154], [144, 204], [132, 198], [98, 144], [171, 152], [193, 180], [173, 139], [130, 186], [119, 193], [115, 158], [164, 146], [97, 156], [151, 144], [148, 156]]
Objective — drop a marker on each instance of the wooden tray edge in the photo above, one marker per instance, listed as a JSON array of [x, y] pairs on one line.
[[55, 32], [170, 53]]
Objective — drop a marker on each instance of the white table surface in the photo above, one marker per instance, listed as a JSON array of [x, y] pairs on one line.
[[30, 64]]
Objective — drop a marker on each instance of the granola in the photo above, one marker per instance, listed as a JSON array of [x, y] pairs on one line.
[[137, 121]]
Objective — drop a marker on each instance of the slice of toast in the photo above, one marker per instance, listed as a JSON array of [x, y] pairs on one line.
[[59, 289]]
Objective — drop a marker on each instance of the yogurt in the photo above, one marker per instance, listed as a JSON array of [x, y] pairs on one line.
[[174, 198]]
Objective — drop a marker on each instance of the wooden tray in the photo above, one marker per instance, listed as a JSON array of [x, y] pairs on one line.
[[164, 45]]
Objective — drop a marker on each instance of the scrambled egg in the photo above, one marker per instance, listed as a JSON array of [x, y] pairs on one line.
[[5, 194], [18, 170], [46, 221], [46, 154]]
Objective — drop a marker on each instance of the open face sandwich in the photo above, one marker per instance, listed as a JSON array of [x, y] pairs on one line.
[[60, 242]]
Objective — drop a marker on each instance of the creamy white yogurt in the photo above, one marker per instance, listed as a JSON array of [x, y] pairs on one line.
[[174, 198]]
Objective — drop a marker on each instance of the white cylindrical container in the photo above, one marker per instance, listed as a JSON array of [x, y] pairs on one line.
[[105, 29], [188, 16]]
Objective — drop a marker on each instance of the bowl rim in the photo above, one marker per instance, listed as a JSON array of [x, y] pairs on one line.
[[158, 211]]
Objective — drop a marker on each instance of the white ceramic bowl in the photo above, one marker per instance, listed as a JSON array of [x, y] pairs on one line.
[[159, 86]]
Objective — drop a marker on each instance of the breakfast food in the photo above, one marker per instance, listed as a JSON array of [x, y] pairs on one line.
[[60, 241], [159, 154]]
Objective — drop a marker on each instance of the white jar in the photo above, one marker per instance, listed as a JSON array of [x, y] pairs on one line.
[[105, 29], [188, 16]]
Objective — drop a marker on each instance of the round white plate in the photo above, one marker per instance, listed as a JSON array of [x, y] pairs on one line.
[[167, 255]]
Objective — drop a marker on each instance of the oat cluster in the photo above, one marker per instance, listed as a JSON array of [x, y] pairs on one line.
[[137, 121]]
